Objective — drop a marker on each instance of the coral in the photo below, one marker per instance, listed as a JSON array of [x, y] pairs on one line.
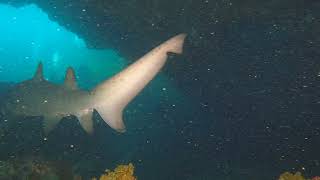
[[122, 172], [37, 169], [316, 178], [291, 176]]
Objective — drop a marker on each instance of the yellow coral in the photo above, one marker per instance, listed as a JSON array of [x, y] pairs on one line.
[[290, 176], [122, 172]]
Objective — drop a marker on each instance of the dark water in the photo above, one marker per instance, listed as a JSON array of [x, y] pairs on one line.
[[247, 108]]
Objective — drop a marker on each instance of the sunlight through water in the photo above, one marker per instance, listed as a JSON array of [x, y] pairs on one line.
[[28, 36]]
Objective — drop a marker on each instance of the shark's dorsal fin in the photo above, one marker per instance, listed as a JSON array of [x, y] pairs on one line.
[[39, 73], [70, 79]]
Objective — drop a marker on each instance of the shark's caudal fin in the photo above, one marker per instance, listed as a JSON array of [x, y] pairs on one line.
[[112, 96]]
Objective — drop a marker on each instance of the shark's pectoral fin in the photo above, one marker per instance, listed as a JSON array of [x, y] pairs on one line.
[[86, 122], [50, 122]]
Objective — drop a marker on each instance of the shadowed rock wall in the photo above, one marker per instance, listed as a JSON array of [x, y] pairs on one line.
[[133, 26], [228, 40]]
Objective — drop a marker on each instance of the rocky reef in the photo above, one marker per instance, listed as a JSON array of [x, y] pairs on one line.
[[132, 26], [250, 66], [32, 168]]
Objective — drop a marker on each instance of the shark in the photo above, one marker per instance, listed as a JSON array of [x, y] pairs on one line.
[[39, 97]]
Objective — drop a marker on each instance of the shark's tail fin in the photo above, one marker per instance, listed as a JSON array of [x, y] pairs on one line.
[[112, 96]]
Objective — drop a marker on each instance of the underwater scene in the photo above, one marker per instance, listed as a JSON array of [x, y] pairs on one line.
[[159, 90]]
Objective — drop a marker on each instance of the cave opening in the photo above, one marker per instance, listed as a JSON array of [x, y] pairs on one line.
[[28, 36]]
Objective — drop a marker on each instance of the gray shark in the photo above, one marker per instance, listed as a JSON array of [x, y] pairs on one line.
[[39, 97]]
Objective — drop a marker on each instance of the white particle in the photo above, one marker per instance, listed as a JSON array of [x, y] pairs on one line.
[[72, 146], [204, 104], [164, 89], [45, 139]]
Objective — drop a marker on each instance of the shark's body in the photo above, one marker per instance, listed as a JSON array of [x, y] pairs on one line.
[[38, 97]]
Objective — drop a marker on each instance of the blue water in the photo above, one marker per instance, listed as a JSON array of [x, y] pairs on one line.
[[248, 107], [28, 36]]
